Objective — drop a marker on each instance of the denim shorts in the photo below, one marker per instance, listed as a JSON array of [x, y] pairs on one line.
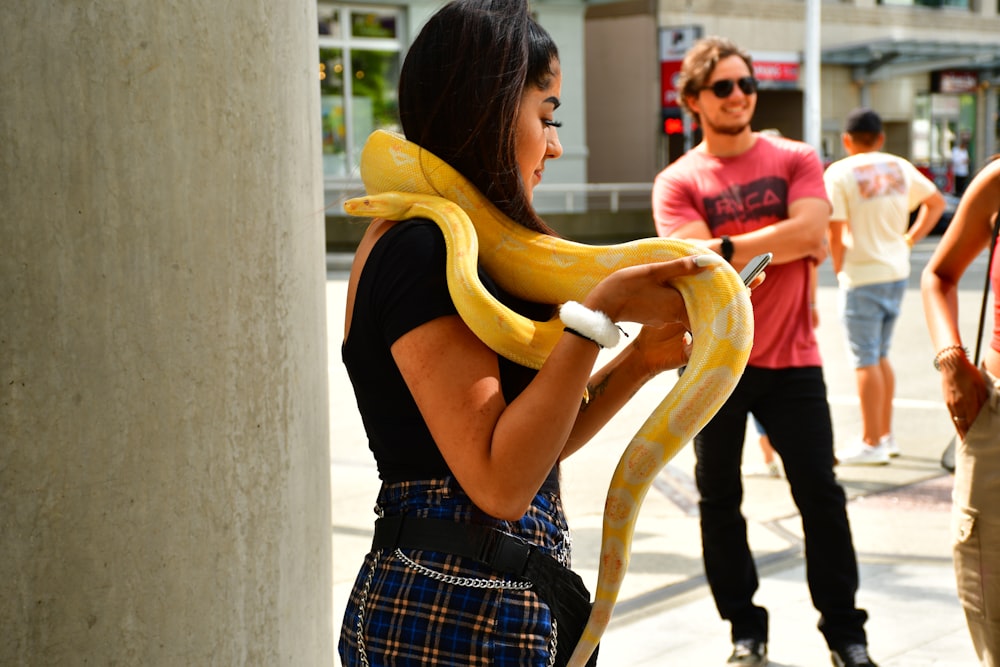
[[869, 314]]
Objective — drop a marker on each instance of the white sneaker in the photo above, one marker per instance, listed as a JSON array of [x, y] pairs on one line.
[[771, 469], [861, 453], [890, 444]]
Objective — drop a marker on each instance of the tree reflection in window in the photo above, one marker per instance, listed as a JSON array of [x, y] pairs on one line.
[[361, 66], [331, 74]]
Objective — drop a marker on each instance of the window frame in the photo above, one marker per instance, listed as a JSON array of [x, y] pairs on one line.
[[347, 43]]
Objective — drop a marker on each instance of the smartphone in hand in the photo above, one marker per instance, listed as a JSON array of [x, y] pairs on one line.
[[755, 266]]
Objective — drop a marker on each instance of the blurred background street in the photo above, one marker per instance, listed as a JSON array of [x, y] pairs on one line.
[[665, 614]]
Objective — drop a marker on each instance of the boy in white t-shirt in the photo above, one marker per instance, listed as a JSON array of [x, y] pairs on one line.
[[872, 194]]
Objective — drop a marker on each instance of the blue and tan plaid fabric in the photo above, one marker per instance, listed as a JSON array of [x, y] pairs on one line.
[[411, 608]]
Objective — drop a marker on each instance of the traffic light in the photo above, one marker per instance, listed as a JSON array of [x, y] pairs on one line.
[[673, 126], [673, 121]]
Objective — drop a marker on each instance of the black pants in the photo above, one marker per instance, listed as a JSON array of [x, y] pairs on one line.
[[791, 405]]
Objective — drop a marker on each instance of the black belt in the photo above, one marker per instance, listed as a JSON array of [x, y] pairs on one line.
[[496, 549], [556, 585]]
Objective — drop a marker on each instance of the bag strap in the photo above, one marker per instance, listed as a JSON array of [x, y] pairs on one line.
[[986, 289]]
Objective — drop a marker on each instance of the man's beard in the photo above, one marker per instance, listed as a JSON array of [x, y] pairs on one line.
[[730, 130]]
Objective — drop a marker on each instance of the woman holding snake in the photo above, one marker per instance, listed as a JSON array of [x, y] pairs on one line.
[[469, 565]]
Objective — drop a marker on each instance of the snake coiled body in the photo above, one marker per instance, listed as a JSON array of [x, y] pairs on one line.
[[404, 181]]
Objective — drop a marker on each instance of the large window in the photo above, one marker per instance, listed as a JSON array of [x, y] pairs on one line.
[[359, 60]]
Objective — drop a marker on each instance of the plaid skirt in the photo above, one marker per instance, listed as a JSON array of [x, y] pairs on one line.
[[412, 607]]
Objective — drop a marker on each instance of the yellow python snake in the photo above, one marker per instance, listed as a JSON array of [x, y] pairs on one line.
[[404, 181]]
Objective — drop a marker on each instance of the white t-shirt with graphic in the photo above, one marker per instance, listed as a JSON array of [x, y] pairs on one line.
[[875, 193]]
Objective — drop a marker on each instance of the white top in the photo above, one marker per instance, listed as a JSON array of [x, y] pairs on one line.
[[875, 193], [959, 161]]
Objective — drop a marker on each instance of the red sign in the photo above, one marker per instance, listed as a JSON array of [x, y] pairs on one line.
[[669, 71], [675, 41], [961, 81], [776, 71]]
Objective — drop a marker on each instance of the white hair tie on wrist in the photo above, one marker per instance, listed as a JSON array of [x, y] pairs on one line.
[[592, 324]]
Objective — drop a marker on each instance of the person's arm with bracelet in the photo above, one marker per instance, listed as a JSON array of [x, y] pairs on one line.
[[962, 385], [501, 453]]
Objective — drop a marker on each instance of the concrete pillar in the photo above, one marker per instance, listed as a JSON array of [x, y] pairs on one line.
[[164, 448]]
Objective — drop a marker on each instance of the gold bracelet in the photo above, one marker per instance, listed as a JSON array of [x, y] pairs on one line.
[[945, 350]]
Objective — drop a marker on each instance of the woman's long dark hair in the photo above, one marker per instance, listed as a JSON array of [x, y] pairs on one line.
[[460, 89]]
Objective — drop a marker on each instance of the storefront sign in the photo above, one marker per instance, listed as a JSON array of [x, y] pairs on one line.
[[674, 43], [957, 81], [776, 69], [945, 106], [669, 71], [784, 72]]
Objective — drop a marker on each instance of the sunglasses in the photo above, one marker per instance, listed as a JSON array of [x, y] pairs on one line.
[[723, 88]]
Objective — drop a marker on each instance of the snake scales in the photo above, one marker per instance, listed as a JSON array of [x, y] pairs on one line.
[[404, 181]]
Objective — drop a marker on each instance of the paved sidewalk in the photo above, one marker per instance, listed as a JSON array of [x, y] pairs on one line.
[[907, 588], [665, 615]]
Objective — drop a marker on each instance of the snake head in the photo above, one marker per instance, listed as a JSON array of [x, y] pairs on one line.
[[388, 205], [362, 207]]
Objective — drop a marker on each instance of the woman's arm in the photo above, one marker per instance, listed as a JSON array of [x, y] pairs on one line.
[[501, 453], [966, 236], [962, 385], [654, 350]]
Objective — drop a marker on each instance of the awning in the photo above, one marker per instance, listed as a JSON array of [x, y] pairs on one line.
[[883, 59]]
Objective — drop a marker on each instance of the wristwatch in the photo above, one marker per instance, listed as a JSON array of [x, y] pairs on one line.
[[727, 248]]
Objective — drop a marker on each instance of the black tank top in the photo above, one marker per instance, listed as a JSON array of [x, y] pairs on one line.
[[403, 285]]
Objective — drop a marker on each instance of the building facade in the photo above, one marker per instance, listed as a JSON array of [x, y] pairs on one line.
[[930, 67], [361, 51]]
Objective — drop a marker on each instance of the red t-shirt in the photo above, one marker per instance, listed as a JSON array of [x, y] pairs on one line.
[[740, 194]]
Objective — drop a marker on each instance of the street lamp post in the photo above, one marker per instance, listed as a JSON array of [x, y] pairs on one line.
[[811, 62]]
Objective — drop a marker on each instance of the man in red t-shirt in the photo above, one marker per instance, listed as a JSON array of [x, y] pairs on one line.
[[742, 193]]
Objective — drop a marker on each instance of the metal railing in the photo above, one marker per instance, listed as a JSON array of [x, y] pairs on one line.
[[581, 197], [549, 197]]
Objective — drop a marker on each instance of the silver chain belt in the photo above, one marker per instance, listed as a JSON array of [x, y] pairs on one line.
[[469, 582]]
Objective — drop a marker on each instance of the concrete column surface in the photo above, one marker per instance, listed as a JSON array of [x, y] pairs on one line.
[[164, 446]]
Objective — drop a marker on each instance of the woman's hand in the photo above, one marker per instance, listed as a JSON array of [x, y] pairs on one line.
[[667, 347], [643, 293], [663, 348], [964, 391]]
